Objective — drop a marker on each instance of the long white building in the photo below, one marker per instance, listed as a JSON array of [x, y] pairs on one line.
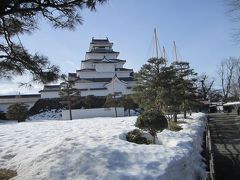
[[101, 73], [7, 100]]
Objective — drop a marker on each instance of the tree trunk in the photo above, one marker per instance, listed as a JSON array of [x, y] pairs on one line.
[[115, 111], [175, 117], [115, 104], [70, 110], [185, 114], [129, 112]]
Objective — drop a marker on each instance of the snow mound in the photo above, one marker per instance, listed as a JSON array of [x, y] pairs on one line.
[[93, 149], [53, 114]]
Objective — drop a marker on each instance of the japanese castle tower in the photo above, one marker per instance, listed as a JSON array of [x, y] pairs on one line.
[[101, 73]]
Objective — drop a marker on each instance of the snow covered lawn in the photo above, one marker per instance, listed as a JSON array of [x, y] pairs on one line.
[[95, 149]]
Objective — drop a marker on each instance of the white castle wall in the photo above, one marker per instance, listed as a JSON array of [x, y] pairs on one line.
[[101, 55], [105, 67], [89, 85], [120, 74], [5, 103], [49, 94], [90, 113]]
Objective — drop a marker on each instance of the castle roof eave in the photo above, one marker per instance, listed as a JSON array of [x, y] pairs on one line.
[[107, 80], [105, 52], [117, 60]]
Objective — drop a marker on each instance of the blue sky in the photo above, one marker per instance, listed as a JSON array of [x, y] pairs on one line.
[[202, 31]]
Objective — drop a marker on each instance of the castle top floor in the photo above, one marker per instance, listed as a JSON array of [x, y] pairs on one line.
[[99, 48]]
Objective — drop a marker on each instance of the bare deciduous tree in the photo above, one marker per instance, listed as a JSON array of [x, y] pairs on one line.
[[234, 12], [227, 72], [204, 86]]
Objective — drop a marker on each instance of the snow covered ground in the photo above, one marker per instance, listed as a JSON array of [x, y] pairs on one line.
[[96, 149]]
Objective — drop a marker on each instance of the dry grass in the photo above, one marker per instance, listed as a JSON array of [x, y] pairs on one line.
[[181, 122], [173, 126], [6, 174]]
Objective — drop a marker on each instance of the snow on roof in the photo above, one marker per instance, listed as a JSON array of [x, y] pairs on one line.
[[231, 103]]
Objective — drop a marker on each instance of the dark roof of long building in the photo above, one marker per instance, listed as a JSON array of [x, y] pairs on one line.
[[51, 86], [21, 96]]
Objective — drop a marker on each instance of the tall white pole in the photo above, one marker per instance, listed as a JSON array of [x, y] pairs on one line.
[[156, 43], [175, 50]]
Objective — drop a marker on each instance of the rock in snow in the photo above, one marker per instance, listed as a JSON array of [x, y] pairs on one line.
[[95, 149]]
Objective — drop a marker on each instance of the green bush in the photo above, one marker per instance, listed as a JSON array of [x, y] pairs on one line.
[[2, 116], [136, 137], [152, 121], [173, 126], [17, 111]]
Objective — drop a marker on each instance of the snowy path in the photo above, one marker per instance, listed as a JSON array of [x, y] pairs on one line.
[[95, 149]]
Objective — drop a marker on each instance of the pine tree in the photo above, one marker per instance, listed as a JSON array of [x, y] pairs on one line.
[[169, 94], [23, 17], [128, 103], [148, 93], [17, 111], [68, 93], [113, 100], [186, 80], [149, 84]]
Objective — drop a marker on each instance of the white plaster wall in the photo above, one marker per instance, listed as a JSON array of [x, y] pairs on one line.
[[4, 106], [18, 99], [87, 65], [120, 74], [117, 87], [95, 93], [119, 65], [131, 83], [89, 85], [49, 94], [106, 67], [90, 113], [101, 55], [106, 45]]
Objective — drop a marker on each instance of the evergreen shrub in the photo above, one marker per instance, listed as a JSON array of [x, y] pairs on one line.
[[17, 111], [152, 121], [2, 116], [135, 136]]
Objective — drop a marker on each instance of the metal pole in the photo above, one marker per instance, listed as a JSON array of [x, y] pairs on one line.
[[175, 50], [156, 43]]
